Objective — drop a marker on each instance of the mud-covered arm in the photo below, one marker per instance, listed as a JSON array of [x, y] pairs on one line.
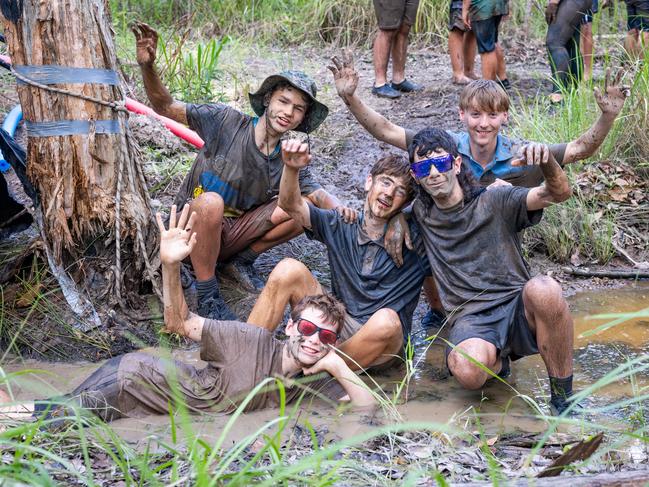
[[176, 244], [359, 394], [556, 187], [396, 233], [325, 200], [346, 80], [610, 102], [146, 39], [295, 156]]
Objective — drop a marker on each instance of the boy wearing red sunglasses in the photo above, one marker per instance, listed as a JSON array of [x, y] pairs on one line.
[[239, 356]]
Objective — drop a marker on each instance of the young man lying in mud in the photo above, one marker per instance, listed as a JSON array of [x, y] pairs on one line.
[[496, 310], [235, 178], [379, 297], [484, 108], [239, 355]]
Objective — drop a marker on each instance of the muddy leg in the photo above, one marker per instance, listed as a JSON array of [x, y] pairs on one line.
[[381, 52], [285, 229], [468, 374], [207, 225], [455, 51], [469, 48], [288, 283], [549, 318], [376, 342], [400, 53]]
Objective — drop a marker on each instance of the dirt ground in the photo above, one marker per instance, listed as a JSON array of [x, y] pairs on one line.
[[343, 154]]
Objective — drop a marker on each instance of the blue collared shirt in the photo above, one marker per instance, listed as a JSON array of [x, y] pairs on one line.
[[500, 166]]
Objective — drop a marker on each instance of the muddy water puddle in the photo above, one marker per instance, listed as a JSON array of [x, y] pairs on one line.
[[431, 398]]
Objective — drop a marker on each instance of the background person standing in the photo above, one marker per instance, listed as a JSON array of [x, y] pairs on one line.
[[395, 17]]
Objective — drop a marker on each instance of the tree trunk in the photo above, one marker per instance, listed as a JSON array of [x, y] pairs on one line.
[[93, 196]]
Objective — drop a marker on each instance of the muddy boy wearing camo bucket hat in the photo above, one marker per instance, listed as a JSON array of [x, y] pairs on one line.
[[234, 182]]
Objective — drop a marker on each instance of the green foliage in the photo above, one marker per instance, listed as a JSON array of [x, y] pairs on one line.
[[188, 71]]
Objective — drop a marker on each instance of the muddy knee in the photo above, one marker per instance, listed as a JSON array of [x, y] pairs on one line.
[[209, 208], [288, 272], [468, 374], [386, 324], [542, 292]]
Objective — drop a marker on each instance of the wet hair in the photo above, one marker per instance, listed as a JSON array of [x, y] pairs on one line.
[[398, 166], [486, 95], [332, 310], [435, 140]]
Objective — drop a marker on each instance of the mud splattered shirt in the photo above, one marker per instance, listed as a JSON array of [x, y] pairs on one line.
[[231, 164], [485, 9], [363, 275], [460, 243]]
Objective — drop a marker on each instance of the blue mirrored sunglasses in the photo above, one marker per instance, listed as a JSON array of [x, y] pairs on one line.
[[441, 163]]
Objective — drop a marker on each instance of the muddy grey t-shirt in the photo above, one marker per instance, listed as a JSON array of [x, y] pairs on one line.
[[239, 356], [363, 275], [231, 164], [474, 249], [501, 165]]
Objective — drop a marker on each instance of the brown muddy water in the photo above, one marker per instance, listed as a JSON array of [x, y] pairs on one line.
[[431, 396]]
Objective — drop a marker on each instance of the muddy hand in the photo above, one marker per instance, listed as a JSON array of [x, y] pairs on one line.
[[396, 233], [329, 363], [295, 153], [349, 215], [499, 182], [345, 75], [615, 94], [532, 154], [146, 43], [177, 242]]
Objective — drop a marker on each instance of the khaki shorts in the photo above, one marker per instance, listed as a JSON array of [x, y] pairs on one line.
[[390, 14], [238, 233]]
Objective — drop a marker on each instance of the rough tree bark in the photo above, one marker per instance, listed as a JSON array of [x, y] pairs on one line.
[[85, 180]]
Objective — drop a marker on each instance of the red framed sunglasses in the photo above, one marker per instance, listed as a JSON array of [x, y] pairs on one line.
[[307, 328]]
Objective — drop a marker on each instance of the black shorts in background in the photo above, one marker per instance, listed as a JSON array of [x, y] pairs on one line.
[[486, 33], [505, 327], [637, 18]]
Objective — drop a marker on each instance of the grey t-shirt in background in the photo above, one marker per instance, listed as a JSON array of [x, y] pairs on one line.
[[363, 275], [231, 164], [474, 249]]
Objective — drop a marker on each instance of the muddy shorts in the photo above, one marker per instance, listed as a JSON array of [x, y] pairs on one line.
[[637, 18], [486, 33], [390, 14], [455, 19], [504, 326], [238, 233]]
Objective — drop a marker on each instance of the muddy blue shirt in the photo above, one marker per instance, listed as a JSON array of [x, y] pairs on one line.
[[363, 276], [231, 164]]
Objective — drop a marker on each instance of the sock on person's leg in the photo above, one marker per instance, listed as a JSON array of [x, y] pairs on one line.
[[206, 288], [560, 392]]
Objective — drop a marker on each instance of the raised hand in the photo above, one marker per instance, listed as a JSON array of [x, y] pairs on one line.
[[345, 75], [295, 154], [533, 154], [615, 94], [146, 43], [177, 242]]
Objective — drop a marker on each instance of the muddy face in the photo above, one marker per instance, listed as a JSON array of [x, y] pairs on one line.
[[386, 195], [286, 109], [483, 126], [307, 350], [439, 186]]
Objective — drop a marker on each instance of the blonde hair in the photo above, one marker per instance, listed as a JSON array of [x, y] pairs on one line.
[[486, 95]]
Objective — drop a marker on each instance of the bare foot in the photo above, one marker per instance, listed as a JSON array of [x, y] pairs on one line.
[[471, 75], [461, 80], [556, 98]]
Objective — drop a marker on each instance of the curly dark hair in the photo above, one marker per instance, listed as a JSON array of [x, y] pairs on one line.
[[434, 139]]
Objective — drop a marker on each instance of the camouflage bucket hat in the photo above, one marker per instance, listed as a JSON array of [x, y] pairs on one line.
[[317, 112]]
